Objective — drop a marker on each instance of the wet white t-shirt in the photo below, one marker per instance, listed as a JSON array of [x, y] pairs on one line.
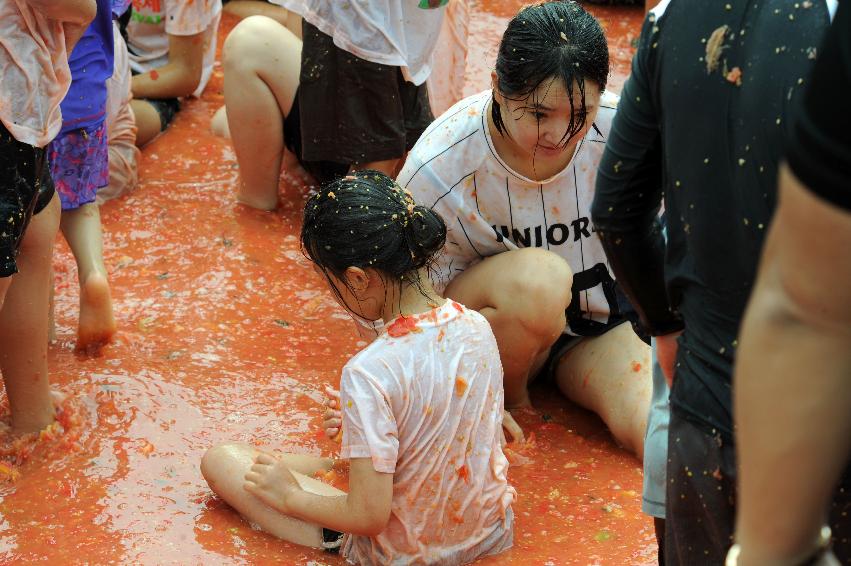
[[390, 32], [153, 21], [424, 401], [489, 208], [34, 73]]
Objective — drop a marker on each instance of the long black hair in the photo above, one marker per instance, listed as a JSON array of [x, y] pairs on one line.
[[366, 220], [555, 40]]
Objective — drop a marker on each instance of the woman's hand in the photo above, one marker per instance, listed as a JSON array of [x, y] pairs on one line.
[[271, 482], [333, 417]]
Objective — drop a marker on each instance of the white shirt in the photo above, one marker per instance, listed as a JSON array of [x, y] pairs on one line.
[[389, 32], [424, 401], [154, 20], [489, 208], [34, 73]]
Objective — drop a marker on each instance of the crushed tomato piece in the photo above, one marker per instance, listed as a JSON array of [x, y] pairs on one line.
[[402, 326]]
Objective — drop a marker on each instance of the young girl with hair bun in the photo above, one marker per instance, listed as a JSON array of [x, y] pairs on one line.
[[422, 405]]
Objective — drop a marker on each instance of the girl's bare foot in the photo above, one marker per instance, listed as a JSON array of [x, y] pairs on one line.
[[97, 323]]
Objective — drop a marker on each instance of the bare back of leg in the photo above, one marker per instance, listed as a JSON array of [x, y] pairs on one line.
[[523, 294], [262, 61], [23, 326], [224, 467]]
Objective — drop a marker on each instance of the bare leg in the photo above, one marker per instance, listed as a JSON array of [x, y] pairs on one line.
[[523, 294], [246, 8], [262, 60], [148, 122], [611, 375], [219, 123], [82, 229], [224, 467], [23, 326]]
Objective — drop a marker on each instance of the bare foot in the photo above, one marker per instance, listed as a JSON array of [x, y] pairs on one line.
[[97, 324]]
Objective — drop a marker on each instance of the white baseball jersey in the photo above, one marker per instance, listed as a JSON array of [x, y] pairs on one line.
[[489, 208]]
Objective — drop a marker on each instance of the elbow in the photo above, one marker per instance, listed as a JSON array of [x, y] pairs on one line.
[[188, 77], [372, 523], [190, 82]]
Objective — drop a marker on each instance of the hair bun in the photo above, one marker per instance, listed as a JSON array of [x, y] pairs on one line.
[[426, 235]]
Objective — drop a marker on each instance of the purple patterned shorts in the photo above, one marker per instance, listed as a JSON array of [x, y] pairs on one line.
[[79, 165]]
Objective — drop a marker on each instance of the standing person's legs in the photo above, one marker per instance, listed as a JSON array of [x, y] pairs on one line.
[[261, 60], [611, 376], [656, 455], [23, 325], [224, 467], [80, 166], [82, 229], [523, 294], [700, 505]]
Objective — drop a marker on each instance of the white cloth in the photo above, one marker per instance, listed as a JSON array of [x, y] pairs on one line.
[[425, 403], [390, 32], [121, 127], [153, 21], [489, 208], [449, 62], [34, 73]]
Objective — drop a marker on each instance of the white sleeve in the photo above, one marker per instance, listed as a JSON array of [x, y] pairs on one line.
[[430, 190]]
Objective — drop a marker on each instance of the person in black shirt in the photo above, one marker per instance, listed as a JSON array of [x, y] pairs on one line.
[[701, 123], [793, 364]]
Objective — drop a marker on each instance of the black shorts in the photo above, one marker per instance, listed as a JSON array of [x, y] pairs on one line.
[[167, 108], [349, 110], [25, 189]]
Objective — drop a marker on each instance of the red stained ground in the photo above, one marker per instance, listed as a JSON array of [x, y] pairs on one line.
[[226, 334]]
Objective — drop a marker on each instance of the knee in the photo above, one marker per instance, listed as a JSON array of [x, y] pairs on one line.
[[249, 41], [543, 279], [218, 459]]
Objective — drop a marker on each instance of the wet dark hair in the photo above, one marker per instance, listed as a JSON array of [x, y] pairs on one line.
[[555, 40], [366, 220]]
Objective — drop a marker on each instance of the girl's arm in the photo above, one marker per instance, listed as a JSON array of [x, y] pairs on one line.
[[180, 76], [364, 511]]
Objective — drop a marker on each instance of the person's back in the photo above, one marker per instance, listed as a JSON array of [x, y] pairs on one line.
[[424, 401], [701, 124], [730, 72]]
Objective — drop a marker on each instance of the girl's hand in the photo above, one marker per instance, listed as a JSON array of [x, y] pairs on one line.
[[510, 426], [271, 482], [333, 416]]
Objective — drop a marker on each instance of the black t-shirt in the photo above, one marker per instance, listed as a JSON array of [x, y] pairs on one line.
[[820, 149], [701, 125]]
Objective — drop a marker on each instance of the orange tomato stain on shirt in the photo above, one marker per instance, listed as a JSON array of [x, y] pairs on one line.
[[636, 366], [460, 386], [402, 326]]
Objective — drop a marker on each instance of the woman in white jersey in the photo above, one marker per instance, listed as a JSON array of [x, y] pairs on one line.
[[512, 172]]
